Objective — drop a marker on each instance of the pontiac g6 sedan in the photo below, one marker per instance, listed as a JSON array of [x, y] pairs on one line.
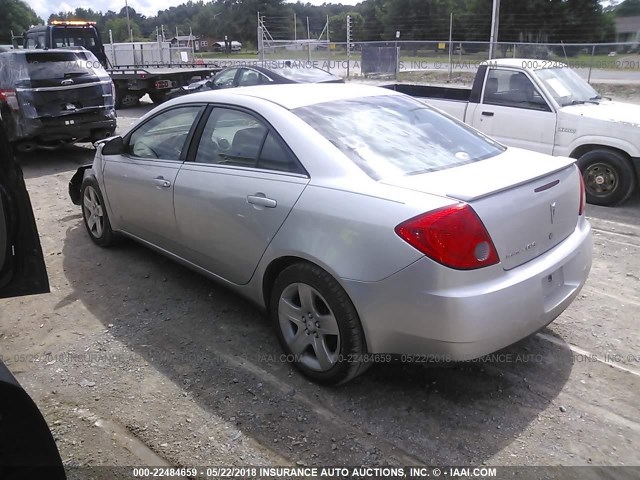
[[361, 219]]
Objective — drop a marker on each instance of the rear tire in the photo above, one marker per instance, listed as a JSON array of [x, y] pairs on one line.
[[158, 97], [126, 98], [94, 214], [317, 325], [608, 177]]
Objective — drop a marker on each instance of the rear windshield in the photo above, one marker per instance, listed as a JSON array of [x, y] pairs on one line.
[[395, 135], [49, 65], [304, 74], [73, 37]]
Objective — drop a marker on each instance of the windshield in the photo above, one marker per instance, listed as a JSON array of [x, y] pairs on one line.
[[395, 135], [566, 86]]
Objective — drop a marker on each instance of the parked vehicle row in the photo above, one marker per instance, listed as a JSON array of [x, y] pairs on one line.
[[362, 220], [131, 82], [251, 75], [547, 107]]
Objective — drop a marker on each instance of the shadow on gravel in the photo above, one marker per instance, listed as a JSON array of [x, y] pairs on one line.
[[628, 212], [218, 347], [66, 159]]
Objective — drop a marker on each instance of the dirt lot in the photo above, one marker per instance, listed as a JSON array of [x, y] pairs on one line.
[[135, 360]]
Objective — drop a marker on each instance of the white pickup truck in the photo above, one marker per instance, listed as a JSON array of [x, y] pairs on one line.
[[547, 107]]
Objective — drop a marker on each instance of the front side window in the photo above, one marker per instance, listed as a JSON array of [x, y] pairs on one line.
[[163, 136], [510, 88], [395, 135]]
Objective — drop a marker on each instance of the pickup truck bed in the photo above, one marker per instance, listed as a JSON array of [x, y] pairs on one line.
[[427, 91]]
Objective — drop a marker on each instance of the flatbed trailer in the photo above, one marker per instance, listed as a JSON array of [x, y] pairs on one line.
[[133, 82]]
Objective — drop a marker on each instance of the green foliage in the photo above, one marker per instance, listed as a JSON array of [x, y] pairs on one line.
[[17, 16], [549, 21], [628, 8]]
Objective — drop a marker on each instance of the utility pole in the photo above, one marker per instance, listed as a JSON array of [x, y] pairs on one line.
[[495, 20], [126, 6]]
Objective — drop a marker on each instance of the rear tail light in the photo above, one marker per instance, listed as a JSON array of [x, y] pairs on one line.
[[583, 195], [9, 96], [453, 236]]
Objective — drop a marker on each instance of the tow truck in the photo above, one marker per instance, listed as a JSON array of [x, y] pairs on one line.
[[131, 81]]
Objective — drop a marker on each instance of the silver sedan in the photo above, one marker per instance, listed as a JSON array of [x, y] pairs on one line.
[[362, 220]]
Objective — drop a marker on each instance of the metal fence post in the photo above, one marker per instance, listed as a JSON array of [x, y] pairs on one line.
[[348, 45], [451, 45], [593, 52]]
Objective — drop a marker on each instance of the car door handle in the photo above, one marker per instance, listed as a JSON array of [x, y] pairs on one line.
[[487, 114], [162, 182], [260, 200]]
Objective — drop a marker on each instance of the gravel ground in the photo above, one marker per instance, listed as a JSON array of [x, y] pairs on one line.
[[135, 360]]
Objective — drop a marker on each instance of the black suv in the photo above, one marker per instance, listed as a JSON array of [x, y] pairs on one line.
[[49, 98]]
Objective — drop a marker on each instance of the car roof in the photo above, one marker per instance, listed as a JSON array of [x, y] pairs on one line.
[[44, 51], [294, 95], [522, 63]]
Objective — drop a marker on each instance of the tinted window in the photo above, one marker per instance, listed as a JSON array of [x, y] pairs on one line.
[[49, 65], [231, 137], [164, 135], [73, 37], [395, 135], [509, 88], [275, 156]]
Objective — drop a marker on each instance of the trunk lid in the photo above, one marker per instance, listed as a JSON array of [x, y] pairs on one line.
[[527, 201]]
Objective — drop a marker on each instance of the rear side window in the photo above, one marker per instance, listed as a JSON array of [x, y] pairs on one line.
[[236, 138], [395, 135]]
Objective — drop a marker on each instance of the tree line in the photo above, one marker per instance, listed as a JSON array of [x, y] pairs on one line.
[[553, 21]]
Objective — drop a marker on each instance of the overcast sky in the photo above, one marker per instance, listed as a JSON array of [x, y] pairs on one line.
[[44, 8]]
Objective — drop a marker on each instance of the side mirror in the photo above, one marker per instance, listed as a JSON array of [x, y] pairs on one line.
[[113, 146]]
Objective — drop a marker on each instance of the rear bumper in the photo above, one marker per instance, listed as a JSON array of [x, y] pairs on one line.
[[428, 309], [63, 128]]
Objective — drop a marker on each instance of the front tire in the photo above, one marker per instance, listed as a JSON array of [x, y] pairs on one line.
[[317, 325], [94, 214], [608, 177]]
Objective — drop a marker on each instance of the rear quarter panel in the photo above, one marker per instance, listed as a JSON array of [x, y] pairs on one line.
[[351, 235]]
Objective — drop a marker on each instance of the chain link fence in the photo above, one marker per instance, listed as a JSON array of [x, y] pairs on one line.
[[608, 62]]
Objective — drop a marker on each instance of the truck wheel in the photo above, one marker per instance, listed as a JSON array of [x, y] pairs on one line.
[[608, 177], [126, 99], [157, 97]]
